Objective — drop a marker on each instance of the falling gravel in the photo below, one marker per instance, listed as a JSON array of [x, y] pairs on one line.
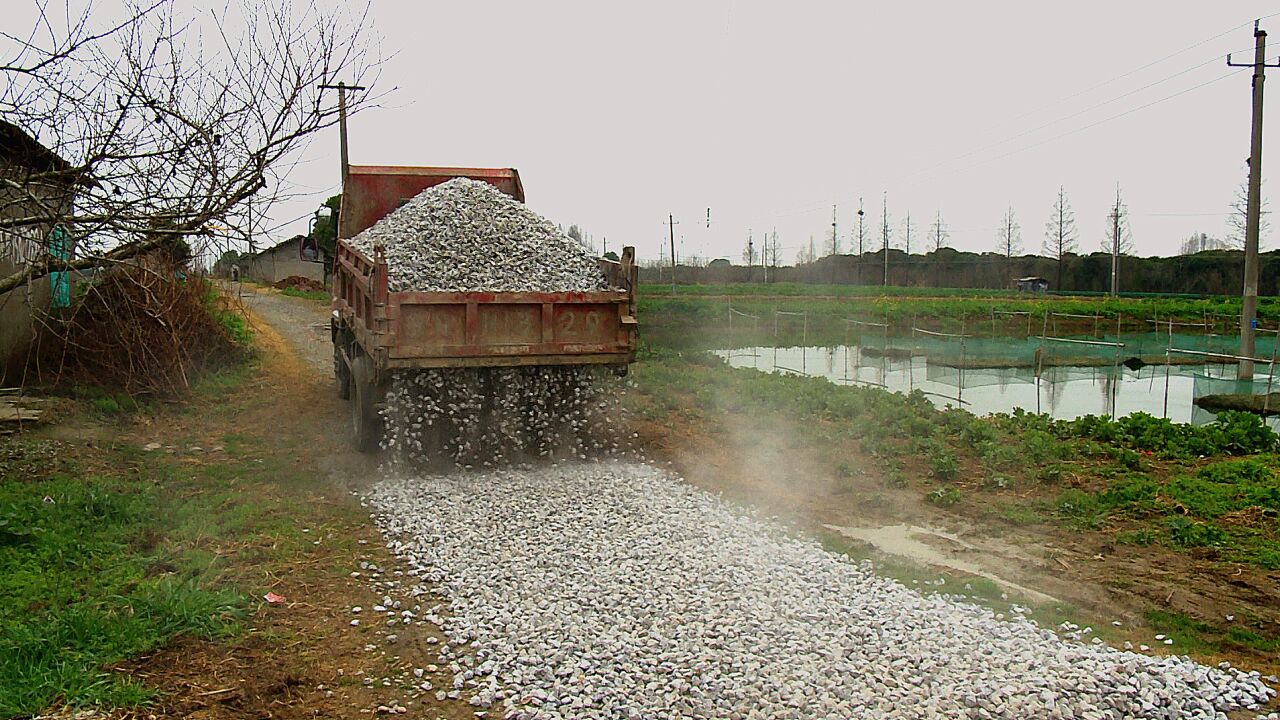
[[465, 235], [487, 416], [613, 590]]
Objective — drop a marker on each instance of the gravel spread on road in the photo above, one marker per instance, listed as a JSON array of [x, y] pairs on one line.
[[465, 235], [614, 590]]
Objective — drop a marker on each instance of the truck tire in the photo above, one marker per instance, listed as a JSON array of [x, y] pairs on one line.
[[366, 426]]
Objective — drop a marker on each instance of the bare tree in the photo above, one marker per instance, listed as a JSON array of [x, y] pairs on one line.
[[1060, 232], [169, 127], [772, 251], [806, 253], [938, 233], [1199, 242], [1238, 218], [1009, 236], [907, 227]]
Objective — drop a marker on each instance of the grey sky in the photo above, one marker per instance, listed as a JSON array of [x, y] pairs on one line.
[[768, 113]]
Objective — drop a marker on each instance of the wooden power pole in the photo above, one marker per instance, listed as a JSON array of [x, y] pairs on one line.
[[1249, 301]]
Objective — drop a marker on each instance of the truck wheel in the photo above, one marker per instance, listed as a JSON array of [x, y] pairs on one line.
[[366, 426], [341, 374]]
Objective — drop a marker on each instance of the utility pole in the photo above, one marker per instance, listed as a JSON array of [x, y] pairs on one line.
[[1249, 301], [835, 237], [907, 247], [884, 231], [342, 89], [835, 244], [751, 252], [860, 239], [671, 226]]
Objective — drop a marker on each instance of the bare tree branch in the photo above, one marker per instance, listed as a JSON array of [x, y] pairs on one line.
[[164, 125]]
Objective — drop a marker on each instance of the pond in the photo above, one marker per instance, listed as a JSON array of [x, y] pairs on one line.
[[1063, 392]]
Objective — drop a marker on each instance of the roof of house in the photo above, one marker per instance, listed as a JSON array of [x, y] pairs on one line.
[[20, 148]]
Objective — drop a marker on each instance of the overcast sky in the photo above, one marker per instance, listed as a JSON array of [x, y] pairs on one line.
[[769, 113]]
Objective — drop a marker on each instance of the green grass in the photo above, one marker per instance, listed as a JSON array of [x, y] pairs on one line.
[[1191, 635], [316, 295], [107, 556], [232, 321], [84, 582]]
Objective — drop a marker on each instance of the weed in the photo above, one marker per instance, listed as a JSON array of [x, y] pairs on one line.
[[1141, 538], [1184, 532], [1080, 509], [1020, 515], [943, 464], [945, 496]]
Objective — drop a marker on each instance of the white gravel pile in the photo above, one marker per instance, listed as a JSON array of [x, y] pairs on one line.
[[487, 416], [467, 236], [612, 590]]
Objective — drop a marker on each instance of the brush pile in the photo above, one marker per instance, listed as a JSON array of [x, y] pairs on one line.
[[297, 282], [147, 330]]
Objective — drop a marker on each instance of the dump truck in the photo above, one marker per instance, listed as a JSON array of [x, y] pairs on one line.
[[377, 332]]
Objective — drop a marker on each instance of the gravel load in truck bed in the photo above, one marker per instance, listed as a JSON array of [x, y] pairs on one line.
[[467, 236], [613, 590]]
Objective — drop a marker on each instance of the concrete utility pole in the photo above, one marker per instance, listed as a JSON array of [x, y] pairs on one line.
[[342, 89], [860, 239], [1249, 304], [884, 231], [671, 226], [835, 237], [751, 253]]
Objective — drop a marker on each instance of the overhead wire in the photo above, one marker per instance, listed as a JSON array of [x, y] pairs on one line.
[[1074, 114]]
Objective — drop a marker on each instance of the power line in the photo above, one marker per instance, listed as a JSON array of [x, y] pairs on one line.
[[806, 209]]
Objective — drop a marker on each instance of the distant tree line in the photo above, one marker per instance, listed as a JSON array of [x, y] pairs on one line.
[[1211, 272]]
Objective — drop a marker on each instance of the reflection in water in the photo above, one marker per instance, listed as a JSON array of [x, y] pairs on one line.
[[1061, 392]]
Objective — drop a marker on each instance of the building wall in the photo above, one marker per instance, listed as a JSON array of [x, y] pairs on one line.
[[280, 262], [22, 310]]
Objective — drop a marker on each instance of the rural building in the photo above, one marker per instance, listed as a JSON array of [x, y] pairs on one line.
[[282, 261], [1033, 284], [35, 168]]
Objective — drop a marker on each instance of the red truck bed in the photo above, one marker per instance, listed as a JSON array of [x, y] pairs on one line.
[[449, 329]]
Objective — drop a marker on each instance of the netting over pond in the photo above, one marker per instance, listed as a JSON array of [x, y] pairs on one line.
[[1056, 362]]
